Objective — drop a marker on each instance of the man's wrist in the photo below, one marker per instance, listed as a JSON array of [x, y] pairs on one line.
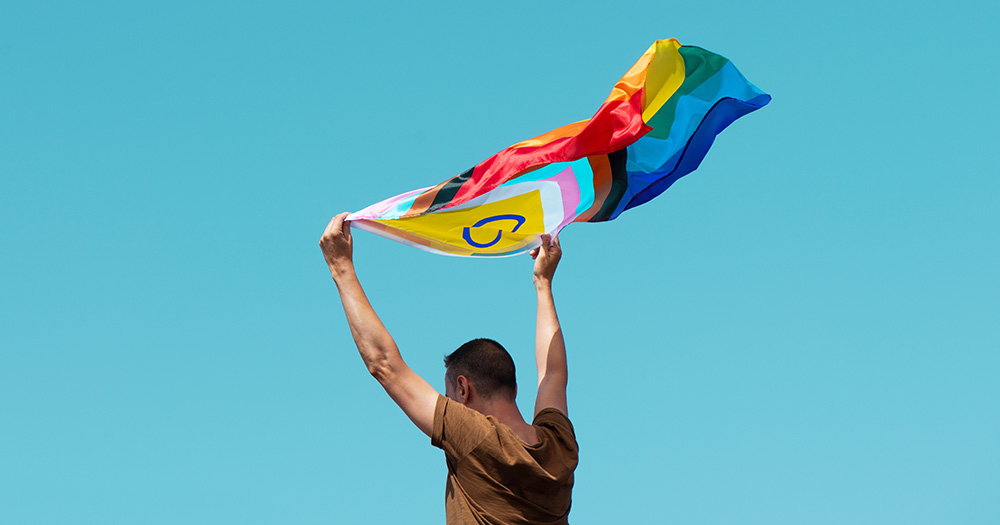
[[342, 271], [543, 283]]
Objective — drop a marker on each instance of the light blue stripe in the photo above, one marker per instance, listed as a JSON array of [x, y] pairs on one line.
[[649, 155], [581, 170]]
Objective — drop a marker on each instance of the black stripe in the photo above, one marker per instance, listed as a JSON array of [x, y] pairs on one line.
[[448, 191]]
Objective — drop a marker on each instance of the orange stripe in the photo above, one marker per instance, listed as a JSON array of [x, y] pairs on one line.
[[629, 85], [633, 81], [559, 133]]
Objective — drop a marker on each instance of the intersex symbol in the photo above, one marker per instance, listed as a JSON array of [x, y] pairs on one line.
[[467, 232]]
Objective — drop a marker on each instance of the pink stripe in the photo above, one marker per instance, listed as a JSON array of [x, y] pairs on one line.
[[570, 190]]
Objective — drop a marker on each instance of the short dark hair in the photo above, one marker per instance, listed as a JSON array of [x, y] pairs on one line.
[[487, 364]]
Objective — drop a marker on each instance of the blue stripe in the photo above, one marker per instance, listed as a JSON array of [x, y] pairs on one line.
[[645, 186]]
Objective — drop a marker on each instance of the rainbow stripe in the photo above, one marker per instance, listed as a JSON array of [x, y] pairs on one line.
[[655, 127]]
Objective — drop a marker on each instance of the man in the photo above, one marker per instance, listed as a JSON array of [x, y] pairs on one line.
[[501, 470]]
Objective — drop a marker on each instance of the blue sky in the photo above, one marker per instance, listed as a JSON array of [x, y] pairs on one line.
[[802, 331]]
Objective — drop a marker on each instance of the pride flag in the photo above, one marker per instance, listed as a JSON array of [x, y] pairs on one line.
[[655, 127]]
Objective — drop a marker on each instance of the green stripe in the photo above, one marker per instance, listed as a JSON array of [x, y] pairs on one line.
[[699, 66]]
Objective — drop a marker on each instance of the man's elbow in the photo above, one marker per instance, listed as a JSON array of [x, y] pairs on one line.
[[554, 378], [383, 369], [379, 369]]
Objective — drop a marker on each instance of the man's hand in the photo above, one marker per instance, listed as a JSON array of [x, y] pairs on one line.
[[337, 246], [546, 259]]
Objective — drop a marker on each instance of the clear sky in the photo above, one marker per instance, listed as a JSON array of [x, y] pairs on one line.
[[805, 330]]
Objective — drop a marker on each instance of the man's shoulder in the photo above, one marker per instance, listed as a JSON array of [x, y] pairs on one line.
[[457, 428]]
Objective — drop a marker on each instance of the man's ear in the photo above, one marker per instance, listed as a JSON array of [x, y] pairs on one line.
[[462, 390]]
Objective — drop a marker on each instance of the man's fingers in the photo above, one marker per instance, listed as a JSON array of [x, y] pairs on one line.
[[345, 225], [329, 227], [336, 226], [338, 223]]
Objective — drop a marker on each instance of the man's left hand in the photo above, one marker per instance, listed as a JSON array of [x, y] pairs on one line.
[[338, 246]]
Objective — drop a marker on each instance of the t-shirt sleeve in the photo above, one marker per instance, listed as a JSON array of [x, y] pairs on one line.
[[560, 425], [458, 429]]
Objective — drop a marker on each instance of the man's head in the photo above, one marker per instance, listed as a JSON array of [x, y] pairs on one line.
[[486, 366]]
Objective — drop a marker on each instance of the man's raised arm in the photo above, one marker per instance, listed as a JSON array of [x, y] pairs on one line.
[[415, 396], [550, 350]]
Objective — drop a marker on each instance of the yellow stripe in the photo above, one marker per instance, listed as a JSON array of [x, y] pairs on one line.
[[664, 75]]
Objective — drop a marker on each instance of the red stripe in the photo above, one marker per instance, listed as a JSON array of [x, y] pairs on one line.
[[616, 125]]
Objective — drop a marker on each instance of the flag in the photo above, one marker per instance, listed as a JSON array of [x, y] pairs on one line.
[[655, 127]]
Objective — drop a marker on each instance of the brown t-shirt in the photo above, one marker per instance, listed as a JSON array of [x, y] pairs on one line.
[[496, 478]]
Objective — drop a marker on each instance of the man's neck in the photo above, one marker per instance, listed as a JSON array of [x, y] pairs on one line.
[[507, 413]]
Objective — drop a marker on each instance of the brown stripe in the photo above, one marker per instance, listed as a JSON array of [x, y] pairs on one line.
[[423, 201], [602, 185]]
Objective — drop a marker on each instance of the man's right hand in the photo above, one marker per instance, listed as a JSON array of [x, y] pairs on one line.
[[338, 246]]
